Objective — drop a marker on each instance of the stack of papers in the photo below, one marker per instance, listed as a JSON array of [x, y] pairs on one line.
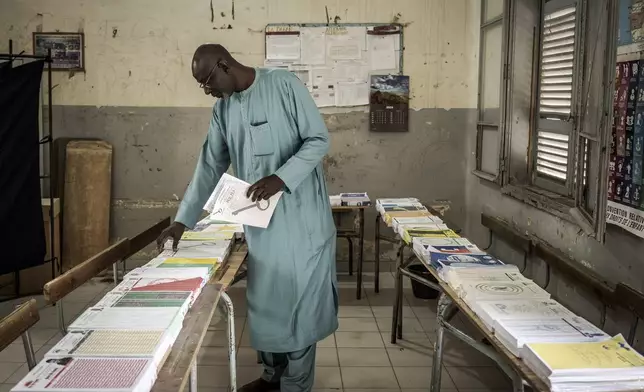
[[491, 312], [414, 221], [151, 299], [514, 334], [129, 319], [610, 365], [90, 374], [399, 208], [472, 292], [355, 199], [430, 230], [335, 200]]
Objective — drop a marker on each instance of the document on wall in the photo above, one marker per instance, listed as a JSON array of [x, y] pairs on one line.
[[351, 71], [229, 203], [352, 94], [278, 64], [302, 72], [345, 43], [324, 97], [313, 45], [283, 46], [322, 78], [382, 51]]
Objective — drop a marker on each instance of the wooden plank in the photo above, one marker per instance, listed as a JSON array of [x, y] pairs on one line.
[[144, 238], [17, 322], [75, 277], [175, 372]]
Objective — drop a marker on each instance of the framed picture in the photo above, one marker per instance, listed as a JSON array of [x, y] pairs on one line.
[[67, 50]]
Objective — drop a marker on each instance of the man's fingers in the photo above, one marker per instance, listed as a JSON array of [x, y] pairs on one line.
[[175, 243], [252, 189]]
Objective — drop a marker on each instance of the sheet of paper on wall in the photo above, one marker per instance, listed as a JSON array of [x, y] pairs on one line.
[[303, 72], [324, 97], [322, 78], [283, 46], [345, 43], [351, 71], [382, 51], [278, 64], [313, 45], [228, 202], [352, 94]]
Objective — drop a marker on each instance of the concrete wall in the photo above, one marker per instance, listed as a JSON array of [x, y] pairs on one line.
[[139, 95]]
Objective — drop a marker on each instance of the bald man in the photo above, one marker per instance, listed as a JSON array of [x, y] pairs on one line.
[[266, 124]]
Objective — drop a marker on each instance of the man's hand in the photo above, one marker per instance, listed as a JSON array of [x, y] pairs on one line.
[[265, 188], [174, 231]]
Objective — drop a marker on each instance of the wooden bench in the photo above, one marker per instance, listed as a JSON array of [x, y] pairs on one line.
[[17, 323]]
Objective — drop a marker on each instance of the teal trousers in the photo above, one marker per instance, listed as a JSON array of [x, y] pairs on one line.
[[295, 371]]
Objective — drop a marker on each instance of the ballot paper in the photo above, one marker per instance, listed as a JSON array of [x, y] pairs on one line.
[[90, 374], [228, 202], [150, 299], [508, 309], [283, 46], [160, 318]]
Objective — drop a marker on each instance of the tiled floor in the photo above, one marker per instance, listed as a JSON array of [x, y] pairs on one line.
[[358, 357]]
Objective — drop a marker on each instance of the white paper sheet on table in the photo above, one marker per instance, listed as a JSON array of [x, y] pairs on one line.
[[352, 94], [282, 46], [313, 45], [382, 51], [345, 43], [228, 202]]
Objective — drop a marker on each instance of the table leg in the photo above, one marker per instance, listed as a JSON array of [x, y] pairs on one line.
[[29, 350], [232, 356], [443, 314], [115, 272], [400, 294], [350, 240], [397, 302], [360, 250], [192, 382], [377, 255], [61, 317]]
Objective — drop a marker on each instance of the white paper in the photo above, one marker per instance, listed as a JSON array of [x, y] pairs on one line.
[[126, 318], [228, 202], [313, 45], [382, 51], [352, 94], [350, 71], [324, 97], [283, 47], [303, 72], [345, 43], [322, 78]]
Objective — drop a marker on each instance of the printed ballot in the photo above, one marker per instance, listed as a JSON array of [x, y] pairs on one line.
[[229, 203]]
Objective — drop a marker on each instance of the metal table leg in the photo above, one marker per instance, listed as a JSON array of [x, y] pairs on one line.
[[61, 317], [232, 355], [350, 240], [360, 250], [397, 311], [192, 383], [377, 255], [446, 310], [29, 350]]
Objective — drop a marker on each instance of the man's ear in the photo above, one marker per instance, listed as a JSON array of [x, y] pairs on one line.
[[223, 64]]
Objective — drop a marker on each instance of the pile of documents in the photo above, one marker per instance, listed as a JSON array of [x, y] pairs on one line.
[[120, 343], [608, 365], [350, 200], [567, 351]]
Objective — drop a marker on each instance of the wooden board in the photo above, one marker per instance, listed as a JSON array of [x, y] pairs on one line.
[[175, 372], [17, 322], [517, 364]]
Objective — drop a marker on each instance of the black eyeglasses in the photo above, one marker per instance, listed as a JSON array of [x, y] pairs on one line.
[[202, 85]]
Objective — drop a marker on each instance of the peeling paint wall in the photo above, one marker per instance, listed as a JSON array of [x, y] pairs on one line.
[[139, 95]]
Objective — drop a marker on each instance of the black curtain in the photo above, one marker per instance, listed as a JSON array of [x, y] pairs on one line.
[[22, 233]]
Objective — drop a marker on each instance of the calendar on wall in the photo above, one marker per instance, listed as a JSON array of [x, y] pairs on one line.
[[389, 103]]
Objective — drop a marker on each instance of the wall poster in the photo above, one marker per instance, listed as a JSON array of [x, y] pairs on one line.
[[625, 206], [389, 103]]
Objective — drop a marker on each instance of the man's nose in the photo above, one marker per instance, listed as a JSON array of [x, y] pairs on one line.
[[207, 90]]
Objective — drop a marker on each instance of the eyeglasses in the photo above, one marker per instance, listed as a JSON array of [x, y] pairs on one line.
[[202, 85]]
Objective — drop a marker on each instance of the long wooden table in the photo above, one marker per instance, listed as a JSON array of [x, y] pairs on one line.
[[180, 366]]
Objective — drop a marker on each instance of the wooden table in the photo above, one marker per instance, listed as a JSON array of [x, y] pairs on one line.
[[180, 366], [449, 304], [357, 232]]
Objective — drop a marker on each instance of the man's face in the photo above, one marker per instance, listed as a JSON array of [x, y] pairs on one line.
[[216, 80]]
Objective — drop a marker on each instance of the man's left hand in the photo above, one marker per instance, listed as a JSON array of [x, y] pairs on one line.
[[265, 188]]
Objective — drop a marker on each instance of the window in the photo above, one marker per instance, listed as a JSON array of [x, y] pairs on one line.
[[554, 140], [492, 85]]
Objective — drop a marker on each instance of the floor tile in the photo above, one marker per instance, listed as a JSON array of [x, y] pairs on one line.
[[386, 297], [326, 356], [420, 377], [363, 357], [358, 339], [369, 377], [7, 369], [428, 325], [409, 340], [357, 325], [478, 378], [457, 353], [6, 387], [428, 311], [408, 325], [416, 356], [246, 356], [13, 353], [347, 297], [327, 377], [328, 342], [387, 311], [219, 337], [355, 311], [219, 376]]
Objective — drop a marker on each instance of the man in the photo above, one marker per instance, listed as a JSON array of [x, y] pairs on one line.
[[266, 123]]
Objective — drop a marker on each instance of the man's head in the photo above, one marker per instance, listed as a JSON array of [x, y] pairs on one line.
[[216, 71]]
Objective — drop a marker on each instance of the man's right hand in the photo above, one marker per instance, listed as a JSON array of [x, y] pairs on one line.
[[174, 231]]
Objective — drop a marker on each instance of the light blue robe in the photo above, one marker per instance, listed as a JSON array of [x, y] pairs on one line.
[[274, 127]]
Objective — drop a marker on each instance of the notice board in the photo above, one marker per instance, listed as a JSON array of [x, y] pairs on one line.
[[336, 61]]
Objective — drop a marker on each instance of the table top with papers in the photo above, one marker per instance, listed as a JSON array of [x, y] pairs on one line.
[[522, 369], [174, 374]]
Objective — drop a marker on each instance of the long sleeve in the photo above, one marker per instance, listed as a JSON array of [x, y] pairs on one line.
[[213, 162], [312, 130]]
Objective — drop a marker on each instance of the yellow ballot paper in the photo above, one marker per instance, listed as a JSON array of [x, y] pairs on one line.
[[181, 262], [207, 235], [614, 353]]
